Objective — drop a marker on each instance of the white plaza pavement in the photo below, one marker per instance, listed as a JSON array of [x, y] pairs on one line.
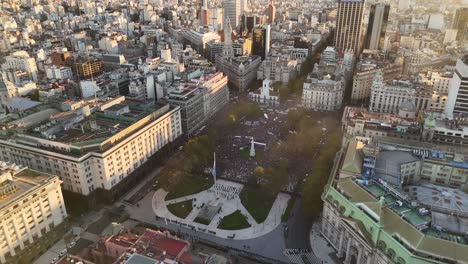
[[226, 195]]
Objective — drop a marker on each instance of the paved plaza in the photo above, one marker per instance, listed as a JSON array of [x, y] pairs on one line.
[[225, 195]]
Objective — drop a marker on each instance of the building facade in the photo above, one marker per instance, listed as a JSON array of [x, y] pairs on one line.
[[261, 41], [241, 71], [21, 60], [364, 75], [323, 93], [87, 69], [106, 149], [265, 95], [457, 102], [377, 26], [362, 213], [348, 34], [277, 70], [460, 23], [233, 11], [32, 205]]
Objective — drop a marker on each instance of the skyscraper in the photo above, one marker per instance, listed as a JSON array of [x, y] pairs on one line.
[[377, 26], [348, 34], [460, 22], [203, 13], [457, 101], [233, 10], [261, 41], [271, 12]]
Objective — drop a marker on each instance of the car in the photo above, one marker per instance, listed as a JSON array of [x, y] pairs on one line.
[[63, 252], [72, 244], [54, 260]]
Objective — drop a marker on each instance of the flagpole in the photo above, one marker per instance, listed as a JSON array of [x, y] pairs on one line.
[[213, 172]]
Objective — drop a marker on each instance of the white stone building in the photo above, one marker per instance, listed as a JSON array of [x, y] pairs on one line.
[[32, 205], [265, 94], [323, 93]]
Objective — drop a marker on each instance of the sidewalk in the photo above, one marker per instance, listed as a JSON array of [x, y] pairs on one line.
[[320, 246], [157, 202]]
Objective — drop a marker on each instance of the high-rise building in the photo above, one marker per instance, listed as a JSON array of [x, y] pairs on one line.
[[377, 26], [261, 41], [460, 22], [457, 102], [203, 13], [271, 12], [87, 68], [233, 10], [248, 22], [216, 17], [348, 34]]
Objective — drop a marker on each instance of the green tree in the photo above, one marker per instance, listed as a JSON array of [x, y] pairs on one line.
[[199, 151], [43, 17], [34, 95]]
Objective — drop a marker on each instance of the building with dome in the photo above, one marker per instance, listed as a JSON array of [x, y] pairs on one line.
[[323, 92], [397, 201], [407, 110]]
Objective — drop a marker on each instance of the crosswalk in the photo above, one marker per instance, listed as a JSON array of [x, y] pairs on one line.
[[301, 256]]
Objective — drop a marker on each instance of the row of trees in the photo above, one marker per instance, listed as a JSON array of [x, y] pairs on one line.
[[315, 183], [242, 110], [294, 87], [274, 177], [196, 157]]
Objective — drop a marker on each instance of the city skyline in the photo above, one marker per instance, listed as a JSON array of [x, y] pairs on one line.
[[234, 131]]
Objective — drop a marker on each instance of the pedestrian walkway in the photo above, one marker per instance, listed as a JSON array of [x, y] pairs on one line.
[[301, 256], [225, 195], [320, 246]]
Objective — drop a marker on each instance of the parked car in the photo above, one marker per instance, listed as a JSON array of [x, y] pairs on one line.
[[63, 252], [72, 244]]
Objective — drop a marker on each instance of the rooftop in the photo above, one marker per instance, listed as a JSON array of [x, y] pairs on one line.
[[398, 221], [86, 128], [139, 259], [151, 245], [17, 182]]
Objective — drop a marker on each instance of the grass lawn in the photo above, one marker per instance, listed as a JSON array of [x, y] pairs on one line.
[[287, 212], [257, 201], [190, 185], [234, 221], [181, 210], [201, 221]]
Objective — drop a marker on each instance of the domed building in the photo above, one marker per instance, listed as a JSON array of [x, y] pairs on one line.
[[407, 110]]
